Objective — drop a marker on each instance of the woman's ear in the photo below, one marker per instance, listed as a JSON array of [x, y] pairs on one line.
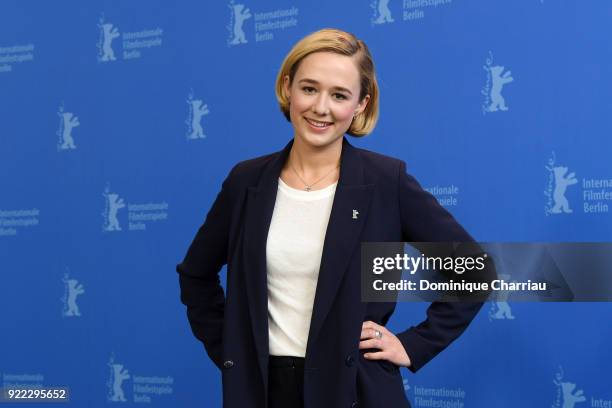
[[287, 87], [362, 105]]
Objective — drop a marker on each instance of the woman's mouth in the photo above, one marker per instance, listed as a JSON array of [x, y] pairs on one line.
[[318, 125]]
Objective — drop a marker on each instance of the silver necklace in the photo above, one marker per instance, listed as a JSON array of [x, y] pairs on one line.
[[309, 186]]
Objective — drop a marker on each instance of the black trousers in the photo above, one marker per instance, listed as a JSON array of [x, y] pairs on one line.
[[285, 382]]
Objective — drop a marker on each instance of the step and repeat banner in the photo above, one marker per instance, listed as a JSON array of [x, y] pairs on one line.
[[120, 119]]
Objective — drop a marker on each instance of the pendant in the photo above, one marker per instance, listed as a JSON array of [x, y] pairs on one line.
[[307, 188]]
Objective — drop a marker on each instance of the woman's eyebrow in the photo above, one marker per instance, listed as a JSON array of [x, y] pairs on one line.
[[314, 82]]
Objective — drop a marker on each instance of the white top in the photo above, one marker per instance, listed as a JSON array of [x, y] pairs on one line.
[[293, 256]]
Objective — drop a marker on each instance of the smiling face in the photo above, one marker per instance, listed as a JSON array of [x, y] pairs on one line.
[[324, 96]]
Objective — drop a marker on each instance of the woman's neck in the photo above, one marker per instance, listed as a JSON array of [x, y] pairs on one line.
[[311, 161]]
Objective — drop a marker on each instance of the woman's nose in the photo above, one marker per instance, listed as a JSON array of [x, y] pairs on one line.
[[320, 107]]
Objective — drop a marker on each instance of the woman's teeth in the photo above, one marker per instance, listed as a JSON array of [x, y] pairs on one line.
[[318, 124]]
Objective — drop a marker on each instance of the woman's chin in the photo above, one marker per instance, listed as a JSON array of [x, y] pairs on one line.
[[320, 140]]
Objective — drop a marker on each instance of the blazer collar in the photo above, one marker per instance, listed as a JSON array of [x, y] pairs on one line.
[[342, 238], [351, 168]]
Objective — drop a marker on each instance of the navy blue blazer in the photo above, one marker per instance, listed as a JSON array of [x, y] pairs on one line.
[[234, 326]]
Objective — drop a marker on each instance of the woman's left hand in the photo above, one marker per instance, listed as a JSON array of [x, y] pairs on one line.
[[391, 349]]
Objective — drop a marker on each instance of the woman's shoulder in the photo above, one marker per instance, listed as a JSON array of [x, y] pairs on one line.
[[249, 165], [379, 163], [249, 171]]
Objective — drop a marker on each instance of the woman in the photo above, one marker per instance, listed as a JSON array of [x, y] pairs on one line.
[[291, 331]]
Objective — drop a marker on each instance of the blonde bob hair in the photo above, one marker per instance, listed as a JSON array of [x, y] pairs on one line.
[[343, 43]]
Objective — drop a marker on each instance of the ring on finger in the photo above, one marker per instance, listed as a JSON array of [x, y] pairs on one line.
[[378, 334]]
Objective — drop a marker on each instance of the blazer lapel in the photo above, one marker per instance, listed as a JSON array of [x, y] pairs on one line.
[[348, 215]]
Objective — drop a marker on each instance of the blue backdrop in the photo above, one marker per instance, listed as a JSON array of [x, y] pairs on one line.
[[121, 119]]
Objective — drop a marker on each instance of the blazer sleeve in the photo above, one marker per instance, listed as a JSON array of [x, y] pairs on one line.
[[199, 281], [425, 220]]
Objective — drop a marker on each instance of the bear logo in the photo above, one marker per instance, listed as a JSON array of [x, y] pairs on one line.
[[114, 204], [198, 109], [240, 15], [500, 308], [384, 14], [119, 375], [570, 398], [68, 122], [109, 33], [74, 289], [561, 183], [499, 78]]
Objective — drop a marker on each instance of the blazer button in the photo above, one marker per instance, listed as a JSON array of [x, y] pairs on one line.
[[354, 404], [349, 360], [228, 364]]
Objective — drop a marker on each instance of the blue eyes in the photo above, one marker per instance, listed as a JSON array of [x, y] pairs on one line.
[[310, 89]]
